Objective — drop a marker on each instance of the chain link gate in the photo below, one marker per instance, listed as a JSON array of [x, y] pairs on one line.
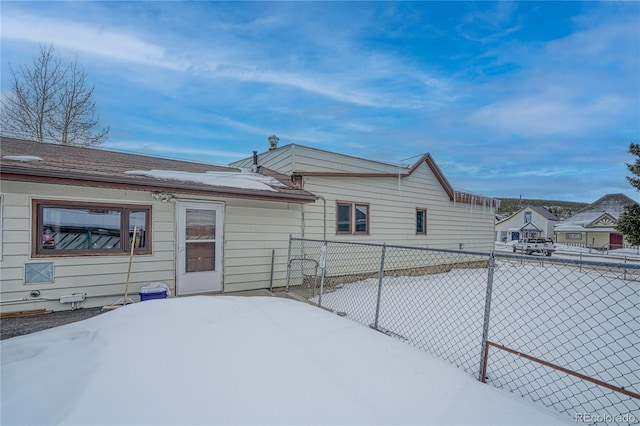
[[526, 323]]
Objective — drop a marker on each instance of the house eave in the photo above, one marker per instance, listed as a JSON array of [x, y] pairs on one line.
[[456, 196], [14, 173]]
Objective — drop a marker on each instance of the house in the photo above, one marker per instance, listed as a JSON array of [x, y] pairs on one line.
[[595, 225], [68, 216], [528, 222], [363, 200]]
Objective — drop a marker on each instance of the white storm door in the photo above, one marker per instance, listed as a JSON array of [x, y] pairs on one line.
[[200, 238]]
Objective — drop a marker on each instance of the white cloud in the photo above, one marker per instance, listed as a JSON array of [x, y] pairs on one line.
[[354, 82], [174, 149], [576, 84], [310, 84], [91, 39]]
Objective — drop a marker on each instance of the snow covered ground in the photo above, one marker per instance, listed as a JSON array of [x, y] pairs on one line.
[[233, 360], [583, 319], [630, 255]]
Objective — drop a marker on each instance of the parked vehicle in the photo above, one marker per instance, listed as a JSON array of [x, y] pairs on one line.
[[535, 245]]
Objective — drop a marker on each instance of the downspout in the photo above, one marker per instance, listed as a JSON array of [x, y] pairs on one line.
[[302, 225], [324, 215]]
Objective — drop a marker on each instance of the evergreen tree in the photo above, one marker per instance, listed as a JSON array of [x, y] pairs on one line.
[[629, 221], [634, 168]]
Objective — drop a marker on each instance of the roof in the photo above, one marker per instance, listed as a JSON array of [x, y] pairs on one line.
[[530, 226], [609, 207], [538, 209], [544, 212], [377, 169], [74, 165]]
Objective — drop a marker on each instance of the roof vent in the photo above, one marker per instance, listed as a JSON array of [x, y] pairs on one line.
[[254, 167], [273, 142]]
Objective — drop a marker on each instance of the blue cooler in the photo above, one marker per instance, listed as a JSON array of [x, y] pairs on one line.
[[149, 293]]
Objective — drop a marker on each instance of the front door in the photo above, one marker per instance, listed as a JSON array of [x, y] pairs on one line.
[[615, 241], [200, 238]]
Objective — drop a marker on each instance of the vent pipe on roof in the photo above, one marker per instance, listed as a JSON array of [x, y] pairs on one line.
[[273, 142], [254, 167]]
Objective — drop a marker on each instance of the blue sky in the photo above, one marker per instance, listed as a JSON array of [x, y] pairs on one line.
[[539, 99]]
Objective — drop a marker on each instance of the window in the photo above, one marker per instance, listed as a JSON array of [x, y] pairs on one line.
[[421, 221], [527, 217], [352, 218], [63, 228], [573, 236]]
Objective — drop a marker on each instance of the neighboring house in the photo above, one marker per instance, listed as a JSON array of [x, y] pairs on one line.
[[68, 216], [594, 225], [528, 222], [370, 201]]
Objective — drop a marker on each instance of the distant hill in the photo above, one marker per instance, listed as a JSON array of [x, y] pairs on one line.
[[562, 209]]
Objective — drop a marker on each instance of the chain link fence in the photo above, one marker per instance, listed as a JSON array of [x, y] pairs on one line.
[[560, 332]]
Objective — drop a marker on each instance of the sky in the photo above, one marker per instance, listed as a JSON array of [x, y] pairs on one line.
[[242, 361], [532, 99]]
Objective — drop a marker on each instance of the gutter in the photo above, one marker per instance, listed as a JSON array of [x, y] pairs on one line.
[[9, 172]]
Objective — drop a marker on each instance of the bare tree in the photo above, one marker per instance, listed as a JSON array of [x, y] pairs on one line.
[[77, 118], [50, 102]]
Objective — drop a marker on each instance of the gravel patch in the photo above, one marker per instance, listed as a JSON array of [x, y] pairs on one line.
[[17, 326]]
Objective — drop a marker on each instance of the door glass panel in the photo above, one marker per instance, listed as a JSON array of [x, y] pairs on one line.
[[200, 224], [200, 257]]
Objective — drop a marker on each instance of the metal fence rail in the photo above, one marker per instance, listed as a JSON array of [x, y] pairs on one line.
[[508, 319]]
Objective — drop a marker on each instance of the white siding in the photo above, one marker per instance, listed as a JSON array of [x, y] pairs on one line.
[[275, 160], [301, 158], [517, 221], [252, 230], [101, 277], [393, 201], [313, 160], [393, 204]]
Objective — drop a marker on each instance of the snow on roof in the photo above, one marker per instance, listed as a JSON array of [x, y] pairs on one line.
[[243, 360], [579, 228], [612, 204], [244, 179]]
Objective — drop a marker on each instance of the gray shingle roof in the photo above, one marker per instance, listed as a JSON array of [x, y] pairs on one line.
[[73, 164], [544, 212], [612, 204]]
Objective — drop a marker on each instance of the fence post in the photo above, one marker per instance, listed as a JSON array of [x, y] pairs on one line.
[[487, 316], [286, 287], [323, 265], [380, 277], [273, 258]]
